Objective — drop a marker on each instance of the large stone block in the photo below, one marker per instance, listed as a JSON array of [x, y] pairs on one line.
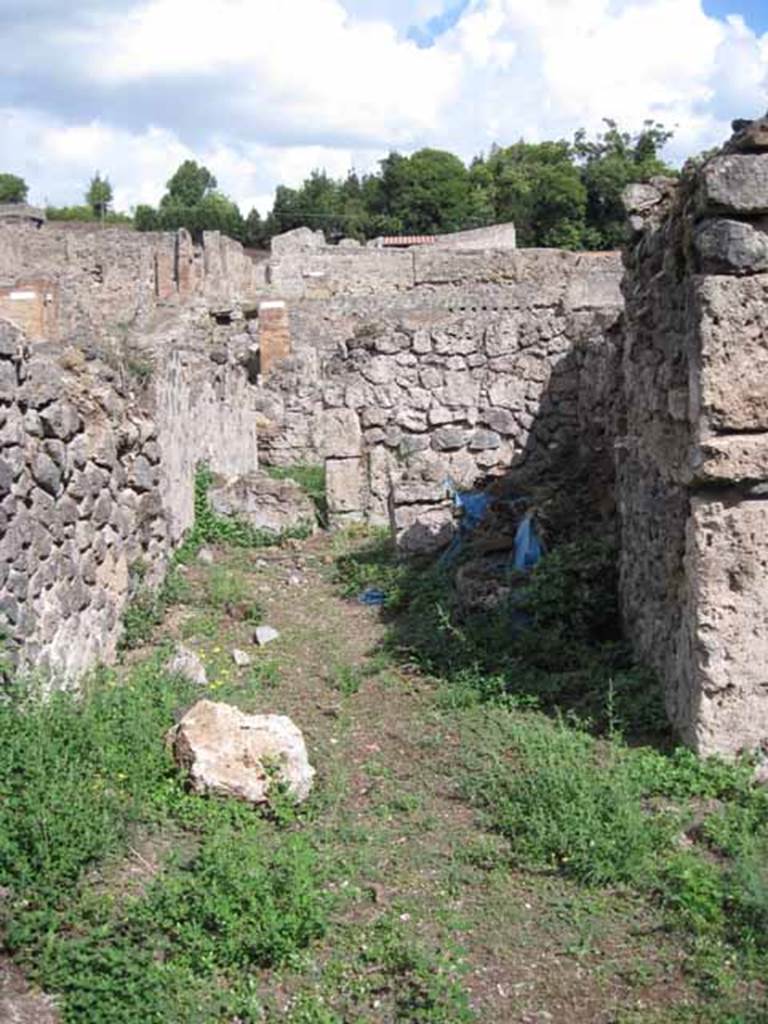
[[720, 705], [736, 183], [344, 483], [733, 326], [731, 247], [338, 433], [735, 458], [262, 502]]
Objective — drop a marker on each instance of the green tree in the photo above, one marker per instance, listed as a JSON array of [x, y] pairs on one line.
[[426, 192], [145, 218], [610, 162], [13, 189], [99, 195], [193, 202], [189, 185], [287, 211], [537, 186], [253, 230]]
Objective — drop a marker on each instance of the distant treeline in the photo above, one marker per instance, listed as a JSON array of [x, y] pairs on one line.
[[559, 194]]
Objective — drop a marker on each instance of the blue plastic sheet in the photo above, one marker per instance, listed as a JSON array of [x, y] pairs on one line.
[[372, 596], [473, 505], [528, 550]]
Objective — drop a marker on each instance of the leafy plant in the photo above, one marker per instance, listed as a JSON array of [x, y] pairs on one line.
[[545, 787], [75, 774]]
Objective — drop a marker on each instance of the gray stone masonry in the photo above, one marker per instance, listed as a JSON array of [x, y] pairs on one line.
[[483, 363], [102, 423], [693, 459]]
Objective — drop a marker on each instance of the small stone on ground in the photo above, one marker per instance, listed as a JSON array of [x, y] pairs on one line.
[[265, 635], [184, 662]]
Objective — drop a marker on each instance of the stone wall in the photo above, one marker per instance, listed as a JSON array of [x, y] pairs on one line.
[[105, 282], [693, 458], [102, 423], [484, 363]]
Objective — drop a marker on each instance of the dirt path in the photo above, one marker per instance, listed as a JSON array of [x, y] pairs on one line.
[[534, 948]]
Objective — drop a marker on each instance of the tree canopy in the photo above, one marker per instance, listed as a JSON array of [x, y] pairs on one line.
[[189, 186], [99, 195], [192, 202], [13, 189], [560, 194]]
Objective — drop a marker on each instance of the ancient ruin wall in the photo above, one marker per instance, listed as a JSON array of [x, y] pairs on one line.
[[693, 458], [105, 410], [471, 363], [63, 283]]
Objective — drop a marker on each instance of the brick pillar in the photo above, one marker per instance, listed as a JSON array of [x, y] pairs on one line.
[[274, 335]]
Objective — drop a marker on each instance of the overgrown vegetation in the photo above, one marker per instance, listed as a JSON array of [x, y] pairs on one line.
[[567, 792], [131, 899], [148, 604], [557, 193], [78, 778]]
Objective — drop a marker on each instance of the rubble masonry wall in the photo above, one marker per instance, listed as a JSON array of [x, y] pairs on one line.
[[107, 404], [692, 471]]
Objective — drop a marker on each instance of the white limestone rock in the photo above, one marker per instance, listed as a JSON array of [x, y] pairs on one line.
[[265, 635], [229, 753], [184, 662]]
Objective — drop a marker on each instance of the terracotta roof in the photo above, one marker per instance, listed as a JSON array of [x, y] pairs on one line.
[[408, 239]]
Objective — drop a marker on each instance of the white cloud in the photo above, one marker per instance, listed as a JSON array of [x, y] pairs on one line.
[[264, 91]]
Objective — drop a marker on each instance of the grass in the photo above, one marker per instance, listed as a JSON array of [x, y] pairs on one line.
[[569, 760], [78, 778], [494, 809], [147, 606]]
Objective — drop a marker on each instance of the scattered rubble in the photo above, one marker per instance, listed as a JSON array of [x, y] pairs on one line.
[[262, 502]]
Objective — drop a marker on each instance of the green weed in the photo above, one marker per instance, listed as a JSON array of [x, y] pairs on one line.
[[78, 776], [347, 679], [201, 625], [563, 803]]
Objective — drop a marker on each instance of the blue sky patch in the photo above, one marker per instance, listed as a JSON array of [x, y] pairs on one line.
[[425, 35], [754, 12]]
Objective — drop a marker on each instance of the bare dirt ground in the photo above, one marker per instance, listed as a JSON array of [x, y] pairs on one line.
[[534, 948]]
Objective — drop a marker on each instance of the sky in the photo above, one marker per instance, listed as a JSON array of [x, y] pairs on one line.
[[264, 91]]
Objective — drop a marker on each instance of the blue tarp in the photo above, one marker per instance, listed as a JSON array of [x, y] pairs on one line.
[[474, 506], [528, 550]]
